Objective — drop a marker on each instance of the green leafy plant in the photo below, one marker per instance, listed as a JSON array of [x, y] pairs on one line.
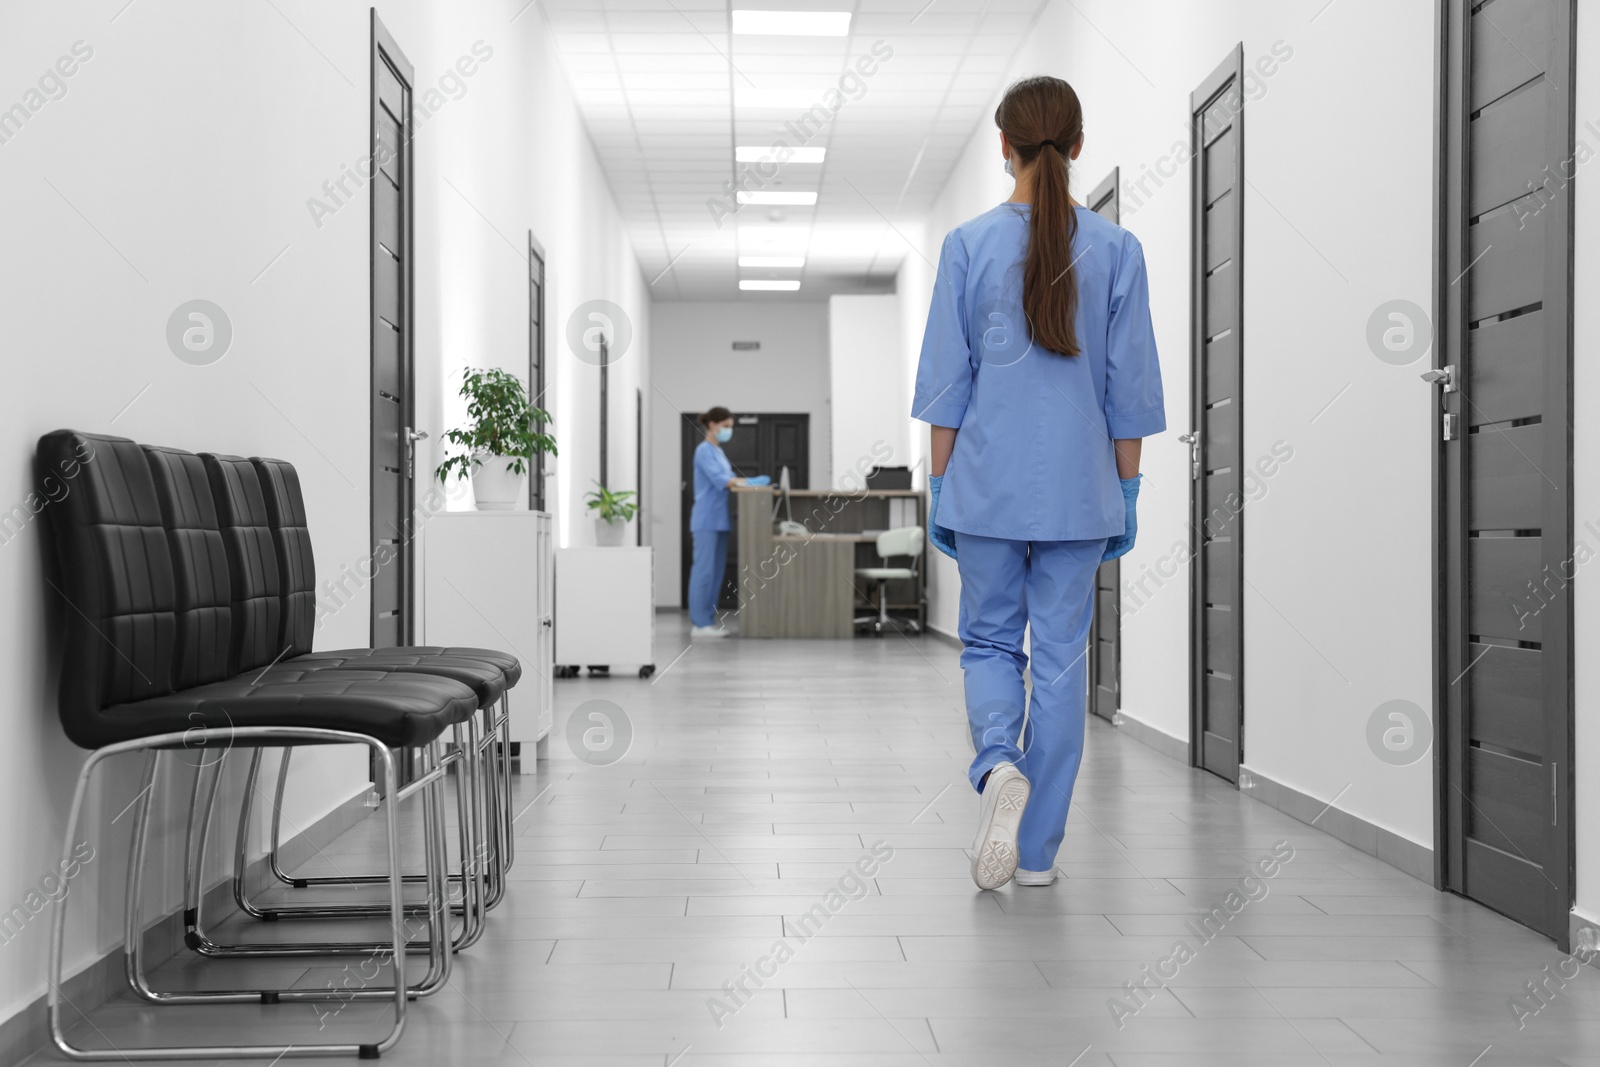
[[612, 506], [505, 424]]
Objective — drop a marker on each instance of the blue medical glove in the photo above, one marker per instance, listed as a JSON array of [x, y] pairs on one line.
[[758, 481], [942, 539], [1118, 546]]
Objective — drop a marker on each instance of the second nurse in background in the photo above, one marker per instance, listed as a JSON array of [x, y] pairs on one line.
[[710, 523]]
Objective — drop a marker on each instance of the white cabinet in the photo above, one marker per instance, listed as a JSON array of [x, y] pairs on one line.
[[487, 582], [605, 608]]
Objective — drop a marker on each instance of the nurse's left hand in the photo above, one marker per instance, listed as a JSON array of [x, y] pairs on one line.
[[941, 537], [1119, 546], [758, 481]]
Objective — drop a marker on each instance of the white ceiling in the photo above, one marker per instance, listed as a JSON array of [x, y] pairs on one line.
[[656, 81]]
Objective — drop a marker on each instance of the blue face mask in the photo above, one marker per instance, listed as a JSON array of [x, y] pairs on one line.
[[725, 434]]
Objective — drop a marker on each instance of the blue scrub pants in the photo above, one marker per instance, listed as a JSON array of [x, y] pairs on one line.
[[1046, 588], [705, 576]]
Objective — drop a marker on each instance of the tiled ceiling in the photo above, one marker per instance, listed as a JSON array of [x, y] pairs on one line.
[[657, 82]]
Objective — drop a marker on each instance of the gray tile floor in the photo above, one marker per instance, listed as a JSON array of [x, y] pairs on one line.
[[758, 774]]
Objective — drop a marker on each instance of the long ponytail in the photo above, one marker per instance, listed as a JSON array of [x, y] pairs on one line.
[[1042, 120]]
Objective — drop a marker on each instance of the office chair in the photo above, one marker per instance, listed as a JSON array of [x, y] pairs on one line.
[[901, 541]]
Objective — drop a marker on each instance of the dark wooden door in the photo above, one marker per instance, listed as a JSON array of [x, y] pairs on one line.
[[536, 359], [393, 441], [1105, 630], [1504, 290], [1216, 694], [762, 444]]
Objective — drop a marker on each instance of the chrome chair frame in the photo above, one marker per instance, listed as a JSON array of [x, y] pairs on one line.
[[395, 949], [435, 945], [471, 908], [499, 846]]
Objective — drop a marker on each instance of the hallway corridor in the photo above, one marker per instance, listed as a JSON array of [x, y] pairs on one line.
[[758, 773]]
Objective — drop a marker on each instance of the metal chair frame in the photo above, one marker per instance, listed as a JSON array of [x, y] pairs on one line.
[[494, 751], [428, 786]]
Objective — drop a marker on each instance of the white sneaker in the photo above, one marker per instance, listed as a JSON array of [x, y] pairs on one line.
[[994, 851], [708, 631], [1035, 877]]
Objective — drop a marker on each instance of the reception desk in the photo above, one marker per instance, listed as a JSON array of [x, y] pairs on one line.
[[804, 585]]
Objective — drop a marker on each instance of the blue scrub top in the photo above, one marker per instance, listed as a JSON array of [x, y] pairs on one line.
[[1034, 459], [711, 473]]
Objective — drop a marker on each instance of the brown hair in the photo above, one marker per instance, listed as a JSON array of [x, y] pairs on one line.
[[714, 416], [1042, 121]]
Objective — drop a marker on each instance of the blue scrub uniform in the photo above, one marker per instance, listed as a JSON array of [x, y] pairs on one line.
[[1031, 491], [708, 525]]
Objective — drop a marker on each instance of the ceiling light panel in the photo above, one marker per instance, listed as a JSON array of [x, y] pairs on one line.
[[778, 198], [773, 262], [748, 153], [792, 23]]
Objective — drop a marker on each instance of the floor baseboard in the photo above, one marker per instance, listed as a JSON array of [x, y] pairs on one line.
[[1401, 853], [1175, 748], [1386, 845]]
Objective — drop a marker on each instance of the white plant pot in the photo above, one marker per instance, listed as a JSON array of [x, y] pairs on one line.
[[496, 487], [609, 534]]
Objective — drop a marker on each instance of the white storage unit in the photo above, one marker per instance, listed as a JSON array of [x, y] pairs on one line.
[[487, 581], [605, 608]]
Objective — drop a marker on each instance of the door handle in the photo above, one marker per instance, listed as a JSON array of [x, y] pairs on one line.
[[1192, 439], [412, 437], [1444, 376]]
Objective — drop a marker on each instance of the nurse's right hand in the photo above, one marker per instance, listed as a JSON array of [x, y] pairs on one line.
[[943, 539]]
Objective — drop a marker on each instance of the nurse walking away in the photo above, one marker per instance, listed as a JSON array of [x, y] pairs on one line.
[[1039, 377], [709, 521]]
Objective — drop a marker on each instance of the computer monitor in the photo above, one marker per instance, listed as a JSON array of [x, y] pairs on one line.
[[889, 478]]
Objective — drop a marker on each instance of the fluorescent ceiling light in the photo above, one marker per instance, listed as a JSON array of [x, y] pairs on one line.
[[749, 284], [750, 153], [772, 261], [793, 23], [790, 99], [778, 199]]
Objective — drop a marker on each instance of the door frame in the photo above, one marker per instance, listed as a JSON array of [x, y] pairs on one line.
[[385, 50], [1109, 190], [1451, 314], [1229, 72], [538, 274]]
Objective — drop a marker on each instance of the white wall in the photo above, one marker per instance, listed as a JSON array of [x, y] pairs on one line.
[[178, 165], [1321, 252], [1586, 472], [865, 381], [695, 368]]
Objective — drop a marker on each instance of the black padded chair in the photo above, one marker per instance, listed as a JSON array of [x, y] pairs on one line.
[[144, 670], [259, 504], [490, 673], [232, 570]]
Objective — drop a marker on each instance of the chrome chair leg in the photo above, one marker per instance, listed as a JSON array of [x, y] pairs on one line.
[[494, 804], [437, 943], [470, 905], [432, 776], [505, 779], [151, 746], [133, 896]]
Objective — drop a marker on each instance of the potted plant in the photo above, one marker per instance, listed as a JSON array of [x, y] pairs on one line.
[[614, 510], [501, 440]]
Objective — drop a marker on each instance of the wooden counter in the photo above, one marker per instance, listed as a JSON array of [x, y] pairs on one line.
[[804, 585]]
